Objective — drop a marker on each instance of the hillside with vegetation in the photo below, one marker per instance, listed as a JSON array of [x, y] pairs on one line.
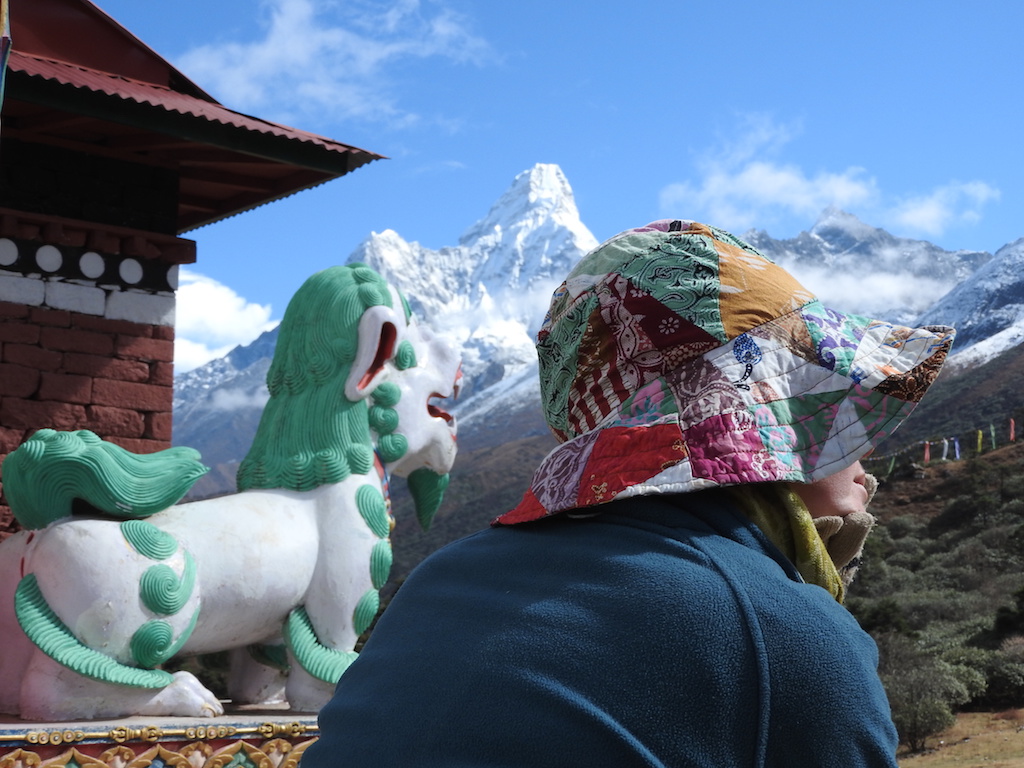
[[941, 589], [964, 400]]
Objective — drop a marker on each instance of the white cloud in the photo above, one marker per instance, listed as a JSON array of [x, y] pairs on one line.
[[886, 293], [742, 184], [212, 320], [954, 203], [333, 59]]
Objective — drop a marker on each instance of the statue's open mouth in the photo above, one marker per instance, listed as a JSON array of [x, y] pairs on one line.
[[438, 412]]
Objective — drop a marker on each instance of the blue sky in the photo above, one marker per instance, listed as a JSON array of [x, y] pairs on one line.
[[740, 114]]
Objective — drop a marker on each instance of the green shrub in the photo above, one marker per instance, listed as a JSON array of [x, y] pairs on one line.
[[1014, 507], [880, 616], [923, 689], [903, 526], [923, 608]]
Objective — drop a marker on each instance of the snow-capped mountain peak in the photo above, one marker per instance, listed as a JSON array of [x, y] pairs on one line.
[[530, 236], [538, 193], [855, 267], [835, 222], [489, 293]]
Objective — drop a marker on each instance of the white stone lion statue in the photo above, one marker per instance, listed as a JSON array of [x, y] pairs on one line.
[[111, 578]]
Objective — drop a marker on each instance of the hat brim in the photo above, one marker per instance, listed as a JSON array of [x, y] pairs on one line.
[[795, 399]]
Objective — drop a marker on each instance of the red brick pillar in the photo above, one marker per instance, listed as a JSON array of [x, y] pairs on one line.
[[86, 342]]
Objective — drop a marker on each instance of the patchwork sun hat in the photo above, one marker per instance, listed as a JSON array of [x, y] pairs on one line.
[[675, 357]]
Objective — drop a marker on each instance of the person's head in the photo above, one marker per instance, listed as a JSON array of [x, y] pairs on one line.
[[675, 358]]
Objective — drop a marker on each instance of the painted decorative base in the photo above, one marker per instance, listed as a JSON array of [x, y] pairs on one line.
[[265, 740]]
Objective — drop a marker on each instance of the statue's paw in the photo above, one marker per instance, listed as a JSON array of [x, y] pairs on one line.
[[184, 697]]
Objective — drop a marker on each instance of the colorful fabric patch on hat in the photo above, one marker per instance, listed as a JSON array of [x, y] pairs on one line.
[[556, 484], [675, 357], [728, 450], [625, 456], [836, 337]]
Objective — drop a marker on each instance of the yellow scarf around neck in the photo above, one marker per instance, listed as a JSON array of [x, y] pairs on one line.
[[784, 519]]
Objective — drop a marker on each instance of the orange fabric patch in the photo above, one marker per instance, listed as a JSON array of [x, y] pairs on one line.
[[753, 291]]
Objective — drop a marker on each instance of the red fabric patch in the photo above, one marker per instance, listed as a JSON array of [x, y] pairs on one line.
[[528, 509], [625, 456]]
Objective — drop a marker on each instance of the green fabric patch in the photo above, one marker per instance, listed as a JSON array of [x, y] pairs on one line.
[[611, 256], [558, 352], [838, 341], [876, 411], [688, 286], [647, 405], [797, 426]]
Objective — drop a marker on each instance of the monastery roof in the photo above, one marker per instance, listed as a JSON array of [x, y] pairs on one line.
[[79, 80]]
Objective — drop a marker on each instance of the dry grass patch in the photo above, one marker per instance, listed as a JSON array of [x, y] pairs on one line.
[[989, 739]]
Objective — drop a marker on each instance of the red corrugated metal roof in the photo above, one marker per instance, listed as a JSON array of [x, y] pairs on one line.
[[163, 98], [80, 81], [79, 32]]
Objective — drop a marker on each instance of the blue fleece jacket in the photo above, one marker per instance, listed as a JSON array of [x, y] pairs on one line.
[[662, 632]]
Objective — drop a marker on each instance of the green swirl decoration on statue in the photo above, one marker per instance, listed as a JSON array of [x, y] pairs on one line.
[[163, 591], [153, 643], [321, 662], [148, 540], [52, 637]]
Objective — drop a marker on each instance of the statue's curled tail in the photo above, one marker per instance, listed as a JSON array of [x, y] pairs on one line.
[[51, 469]]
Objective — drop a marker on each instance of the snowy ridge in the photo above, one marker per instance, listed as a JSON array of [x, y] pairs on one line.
[[987, 309], [855, 267], [206, 385]]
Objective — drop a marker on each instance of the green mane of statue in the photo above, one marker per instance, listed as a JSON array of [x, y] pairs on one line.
[[311, 434]]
